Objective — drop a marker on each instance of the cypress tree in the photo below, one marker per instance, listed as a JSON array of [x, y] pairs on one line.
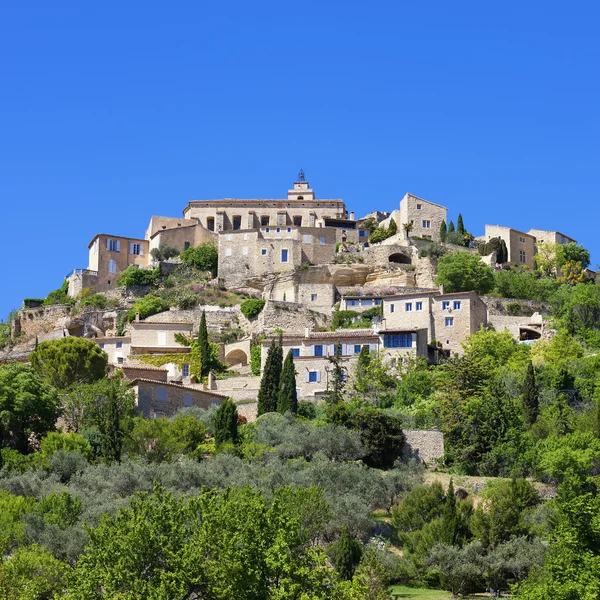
[[443, 231], [503, 252], [449, 518], [530, 396], [110, 424], [204, 346], [460, 227], [392, 228], [268, 392], [347, 553], [596, 413], [226, 423], [288, 397], [337, 376], [451, 227]]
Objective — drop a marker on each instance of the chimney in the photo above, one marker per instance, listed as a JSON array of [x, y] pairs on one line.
[[306, 332], [137, 317], [352, 216], [442, 291]]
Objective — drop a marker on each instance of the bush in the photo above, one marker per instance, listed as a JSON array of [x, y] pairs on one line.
[[464, 272], [252, 308], [255, 359], [133, 275], [164, 252], [95, 300], [204, 257], [59, 296], [432, 250], [147, 306]]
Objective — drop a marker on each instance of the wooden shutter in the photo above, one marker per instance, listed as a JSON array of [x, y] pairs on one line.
[[318, 376], [307, 377]]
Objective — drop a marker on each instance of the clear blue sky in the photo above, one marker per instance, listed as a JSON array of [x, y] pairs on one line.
[[112, 112]]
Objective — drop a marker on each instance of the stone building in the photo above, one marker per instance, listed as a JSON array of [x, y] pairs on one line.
[[520, 245], [425, 216], [156, 399], [117, 349], [447, 319], [180, 233], [158, 338], [554, 237]]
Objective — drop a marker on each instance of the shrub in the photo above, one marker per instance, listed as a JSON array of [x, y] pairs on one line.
[[255, 359], [164, 252], [94, 300], [432, 250], [252, 308], [133, 275], [147, 306], [513, 308], [59, 296], [463, 272], [204, 257]]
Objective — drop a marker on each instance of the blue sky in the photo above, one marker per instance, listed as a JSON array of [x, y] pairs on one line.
[[112, 112]]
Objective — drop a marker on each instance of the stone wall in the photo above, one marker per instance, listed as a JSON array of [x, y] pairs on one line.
[[37, 321], [499, 306], [287, 316], [424, 445]]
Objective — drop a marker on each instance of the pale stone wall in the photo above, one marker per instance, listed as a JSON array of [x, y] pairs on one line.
[[288, 317], [117, 349], [183, 237], [162, 223], [424, 445], [137, 371], [419, 211], [37, 321], [150, 404], [238, 388], [516, 242], [81, 279], [150, 336]]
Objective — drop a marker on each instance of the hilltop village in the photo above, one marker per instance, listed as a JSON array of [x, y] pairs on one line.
[[298, 269]]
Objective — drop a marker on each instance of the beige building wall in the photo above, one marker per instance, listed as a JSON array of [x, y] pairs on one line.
[[520, 245], [117, 348], [148, 337], [426, 216], [554, 237], [183, 237], [109, 255]]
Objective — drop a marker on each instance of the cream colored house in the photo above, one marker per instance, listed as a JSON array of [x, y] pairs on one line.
[[520, 245], [425, 216]]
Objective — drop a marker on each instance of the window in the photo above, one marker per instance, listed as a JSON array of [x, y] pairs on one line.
[[445, 305], [237, 222], [187, 399], [210, 223], [357, 348], [522, 240], [313, 376], [368, 302], [307, 239], [113, 245], [426, 224], [362, 233], [119, 360], [391, 308], [245, 237], [313, 297], [263, 251], [119, 344], [185, 370], [295, 352], [264, 221], [449, 321], [186, 245], [408, 306], [227, 251], [522, 256], [289, 230], [398, 340], [322, 241], [101, 345], [377, 302], [418, 207], [298, 221], [352, 302], [135, 248], [318, 350], [267, 230], [112, 266], [284, 256], [418, 306], [456, 305], [245, 251], [161, 394]]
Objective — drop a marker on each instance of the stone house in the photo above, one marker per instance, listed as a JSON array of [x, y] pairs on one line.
[[158, 338], [520, 245], [554, 237], [117, 348], [447, 319], [156, 399], [425, 216], [137, 371], [180, 233]]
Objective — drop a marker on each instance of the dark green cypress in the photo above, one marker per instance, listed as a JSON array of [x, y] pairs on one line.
[[460, 226], [226, 424], [204, 346], [451, 227], [288, 396], [347, 553], [111, 431], [268, 392], [443, 231], [449, 518], [530, 397], [503, 252]]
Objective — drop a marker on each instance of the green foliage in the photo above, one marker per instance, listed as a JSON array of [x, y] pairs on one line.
[[226, 424], [381, 233], [203, 347], [460, 569], [147, 306], [572, 252], [460, 227], [463, 271], [451, 228], [204, 257], [288, 396], [252, 308], [268, 393], [255, 359], [69, 361], [336, 381], [381, 433], [443, 231], [134, 275], [67, 442], [577, 309], [164, 252], [433, 250], [346, 554], [530, 396], [522, 284], [59, 296], [28, 407], [98, 301], [498, 246]]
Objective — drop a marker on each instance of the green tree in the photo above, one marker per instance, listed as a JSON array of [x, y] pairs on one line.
[[255, 358], [28, 407], [252, 308], [164, 252], [572, 252], [204, 346], [408, 227], [336, 380], [463, 271], [449, 518], [147, 306], [460, 227], [204, 257], [134, 275], [443, 231], [68, 361], [392, 228], [530, 396], [288, 395], [451, 228], [226, 424], [268, 392], [382, 435], [346, 554], [460, 568]]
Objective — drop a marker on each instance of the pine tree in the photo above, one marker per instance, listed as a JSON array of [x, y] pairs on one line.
[[288, 396], [204, 346], [226, 424], [268, 392], [443, 231], [451, 227], [449, 517], [346, 555], [460, 227], [530, 396], [392, 228]]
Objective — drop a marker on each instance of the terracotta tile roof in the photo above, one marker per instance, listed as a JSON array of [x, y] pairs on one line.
[[144, 368], [178, 386], [326, 335]]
